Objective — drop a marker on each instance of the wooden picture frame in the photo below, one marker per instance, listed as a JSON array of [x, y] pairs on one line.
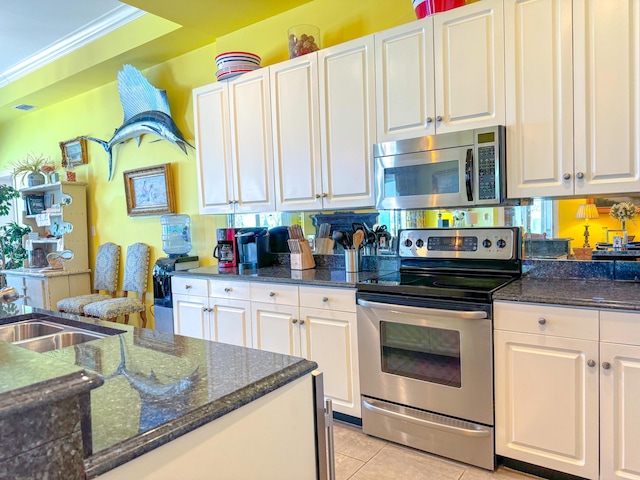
[[74, 152], [149, 191], [604, 204]]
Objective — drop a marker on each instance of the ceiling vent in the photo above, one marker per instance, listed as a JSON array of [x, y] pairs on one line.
[[23, 106]]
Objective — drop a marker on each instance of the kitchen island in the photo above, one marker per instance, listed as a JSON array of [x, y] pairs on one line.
[[174, 406]]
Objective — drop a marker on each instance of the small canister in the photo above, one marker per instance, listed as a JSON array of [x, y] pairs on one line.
[[352, 260]]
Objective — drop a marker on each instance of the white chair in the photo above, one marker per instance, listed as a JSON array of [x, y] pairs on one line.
[[136, 271], [105, 278]]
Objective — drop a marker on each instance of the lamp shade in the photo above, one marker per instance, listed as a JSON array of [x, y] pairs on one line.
[[587, 210]]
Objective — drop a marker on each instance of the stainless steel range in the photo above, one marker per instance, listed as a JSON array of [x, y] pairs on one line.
[[425, 341]]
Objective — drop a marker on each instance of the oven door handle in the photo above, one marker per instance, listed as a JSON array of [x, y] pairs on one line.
[[467, 432], [469, 315]]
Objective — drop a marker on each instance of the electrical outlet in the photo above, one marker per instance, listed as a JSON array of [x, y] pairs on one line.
[[93, 231]]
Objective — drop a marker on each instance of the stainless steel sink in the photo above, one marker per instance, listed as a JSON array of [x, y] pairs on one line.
[[45, 335], [25, 330], [58, 340]]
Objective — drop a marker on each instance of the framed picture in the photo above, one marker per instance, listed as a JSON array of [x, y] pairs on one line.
[[605, 204], [74, 152], [149, 191]]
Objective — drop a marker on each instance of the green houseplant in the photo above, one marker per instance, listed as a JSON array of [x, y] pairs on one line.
[[11, 249], [32, 166]]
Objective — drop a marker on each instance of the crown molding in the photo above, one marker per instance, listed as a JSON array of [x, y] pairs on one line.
[[90, 32]]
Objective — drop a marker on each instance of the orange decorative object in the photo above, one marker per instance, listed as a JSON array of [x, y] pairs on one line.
[[429, 7], [71, 176]]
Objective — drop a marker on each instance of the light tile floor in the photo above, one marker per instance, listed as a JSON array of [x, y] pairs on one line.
[[362, 457]]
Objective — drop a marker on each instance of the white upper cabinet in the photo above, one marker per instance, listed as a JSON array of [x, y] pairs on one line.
[[538, 58], [607, 96], [233, 144], [347, 123], [405, 90], [573, 97], [213, 147], [469, 67], [444, 73], [324, 128]]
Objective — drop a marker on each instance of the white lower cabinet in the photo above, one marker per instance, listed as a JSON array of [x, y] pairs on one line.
[[276, 328], [567, 383], [190, 315]]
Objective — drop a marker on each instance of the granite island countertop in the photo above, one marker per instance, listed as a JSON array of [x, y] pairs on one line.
[[158, 386], [594, 293], [327, 277]]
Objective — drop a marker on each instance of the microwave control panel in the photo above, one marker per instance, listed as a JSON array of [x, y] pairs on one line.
[[487, 172]]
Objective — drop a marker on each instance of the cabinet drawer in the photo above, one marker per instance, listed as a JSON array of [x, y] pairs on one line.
[[274, 293], [190, 286], [546, 320], [229, 289], [328, 298], [620, 327]]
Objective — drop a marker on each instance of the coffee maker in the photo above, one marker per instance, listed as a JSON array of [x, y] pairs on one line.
[[226, 250], [253, 248]]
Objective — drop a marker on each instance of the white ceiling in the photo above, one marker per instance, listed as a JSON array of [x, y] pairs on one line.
[[34, 32]]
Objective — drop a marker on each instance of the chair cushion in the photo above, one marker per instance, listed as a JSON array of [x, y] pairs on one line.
[[136, 268], [76, 304], [107, 267], [114, 307]]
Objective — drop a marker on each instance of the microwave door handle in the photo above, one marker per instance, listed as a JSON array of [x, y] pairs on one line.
[[468, 174]]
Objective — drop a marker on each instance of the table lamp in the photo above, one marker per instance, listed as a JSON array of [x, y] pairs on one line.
[[587, 211]]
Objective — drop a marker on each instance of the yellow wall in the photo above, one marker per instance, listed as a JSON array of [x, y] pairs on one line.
[[98, 113]]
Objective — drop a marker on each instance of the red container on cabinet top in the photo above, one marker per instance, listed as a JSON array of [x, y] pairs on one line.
[[429, 7]]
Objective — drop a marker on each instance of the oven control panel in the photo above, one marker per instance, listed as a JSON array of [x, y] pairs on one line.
[[499, 243]]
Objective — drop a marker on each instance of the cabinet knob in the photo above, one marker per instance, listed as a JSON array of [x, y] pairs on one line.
[[606, 365], [439, 118], [188, 287], [294, 321], [228, 289], [230, 202], [579, 175], [318, 195], [325, 195], [325, 299], [235, 202], [542, 321], [591, 363], [301, 322], [566, 176], [272, 294], [429, 120]]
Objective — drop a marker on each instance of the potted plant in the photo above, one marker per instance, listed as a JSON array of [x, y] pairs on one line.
[[32, 166], [12, 252]]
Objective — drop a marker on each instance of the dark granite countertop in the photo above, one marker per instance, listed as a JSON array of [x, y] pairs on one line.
[[329, 277], [594, 293], [157, 386]]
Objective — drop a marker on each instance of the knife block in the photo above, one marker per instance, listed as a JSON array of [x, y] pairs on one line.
[[303, 260]]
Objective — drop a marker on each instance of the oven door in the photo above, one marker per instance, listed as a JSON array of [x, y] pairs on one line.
[[436, 178], [434, 359]]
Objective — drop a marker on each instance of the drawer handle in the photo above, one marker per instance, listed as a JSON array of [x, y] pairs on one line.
[[228, 289], [591, 363], [272, 294], [294, 321], [606, 365], [325, 299], [188, 287], [542, 321]]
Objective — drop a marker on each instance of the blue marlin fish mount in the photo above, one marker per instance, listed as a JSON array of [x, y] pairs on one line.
[[146, 110]]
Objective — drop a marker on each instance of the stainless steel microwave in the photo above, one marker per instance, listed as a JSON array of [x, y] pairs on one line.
[[452, 170]]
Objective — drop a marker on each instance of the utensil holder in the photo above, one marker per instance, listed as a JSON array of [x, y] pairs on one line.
[[352, 260], [303, 260]]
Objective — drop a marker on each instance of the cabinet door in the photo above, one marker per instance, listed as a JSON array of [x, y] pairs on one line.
[[469, 67], [190, 316], [296, 133], [213, 148], [276, 328], [607, 95], [347, 123], [251, 142], [547, 401], [38, 294], [619, 411], [329, 338], [405, 104], [230, 321], [539, 83]]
